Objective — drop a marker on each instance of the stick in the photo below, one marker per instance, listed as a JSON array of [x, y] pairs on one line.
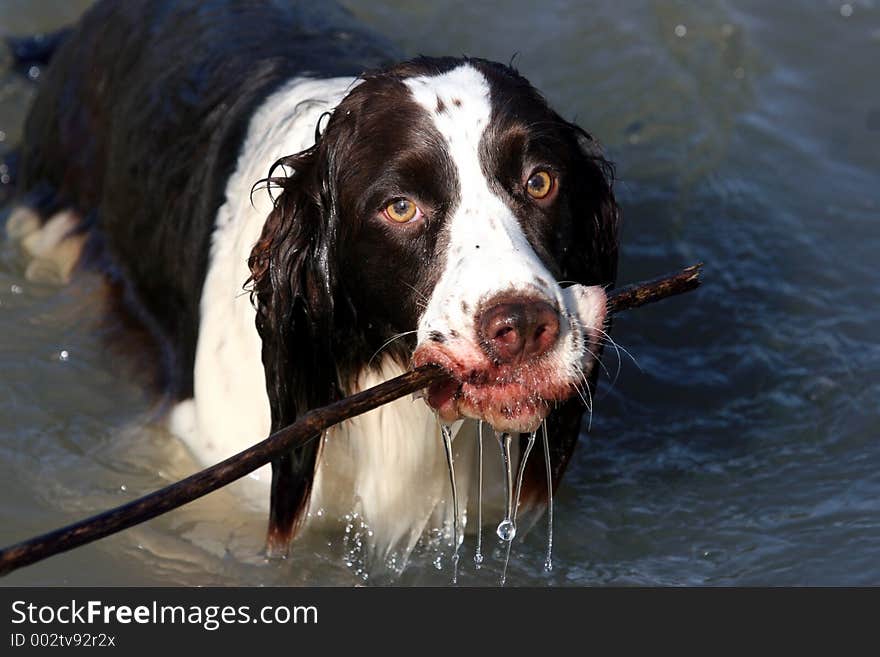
[[640, 294], [306, 428]]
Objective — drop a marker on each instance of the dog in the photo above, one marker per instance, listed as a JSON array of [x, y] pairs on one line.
[[297, 213]]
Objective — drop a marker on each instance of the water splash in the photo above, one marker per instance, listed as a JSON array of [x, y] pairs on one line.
[[548, 562], [447, 444], [354, 544], [519, 479], [478, 555]]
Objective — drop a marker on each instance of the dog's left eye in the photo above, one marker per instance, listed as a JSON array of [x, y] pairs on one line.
[[539, 184], [401, 211]]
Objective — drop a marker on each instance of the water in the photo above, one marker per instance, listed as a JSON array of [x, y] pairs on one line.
[[510, 531], [506, 529], [478, 551], [745, 450], [446, 431], [548, 560]]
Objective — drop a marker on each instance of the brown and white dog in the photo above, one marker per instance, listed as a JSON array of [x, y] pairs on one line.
[[430, 211]]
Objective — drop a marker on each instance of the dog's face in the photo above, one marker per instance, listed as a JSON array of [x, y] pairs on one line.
[[446, 212]]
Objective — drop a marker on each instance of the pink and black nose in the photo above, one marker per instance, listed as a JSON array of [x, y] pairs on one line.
[[518, 330]]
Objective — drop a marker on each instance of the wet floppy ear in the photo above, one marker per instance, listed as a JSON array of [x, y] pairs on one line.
[[292, 283], [592, 259]]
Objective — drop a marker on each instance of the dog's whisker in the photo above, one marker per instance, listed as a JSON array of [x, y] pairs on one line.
[[387, 343], [617, 346]]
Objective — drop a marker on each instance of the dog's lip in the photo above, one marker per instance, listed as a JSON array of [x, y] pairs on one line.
[[441, 393], [478, 394]]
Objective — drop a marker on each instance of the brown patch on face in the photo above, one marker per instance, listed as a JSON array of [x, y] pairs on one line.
[[441, 106], [456, 102]]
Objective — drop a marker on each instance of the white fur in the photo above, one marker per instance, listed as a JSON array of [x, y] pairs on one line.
[[54, 247], [230, 408], [388, 466], [488, 252], [22, 222], [391, 464]]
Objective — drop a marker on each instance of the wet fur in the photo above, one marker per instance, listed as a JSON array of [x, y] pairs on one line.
[[141, 145]]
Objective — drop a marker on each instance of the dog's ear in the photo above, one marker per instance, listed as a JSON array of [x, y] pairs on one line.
[[292, 285], [591, 259]]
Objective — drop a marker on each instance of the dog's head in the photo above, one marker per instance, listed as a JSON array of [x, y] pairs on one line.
[[446, 215]]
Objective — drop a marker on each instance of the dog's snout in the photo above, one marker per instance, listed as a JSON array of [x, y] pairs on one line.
[[518, 330]]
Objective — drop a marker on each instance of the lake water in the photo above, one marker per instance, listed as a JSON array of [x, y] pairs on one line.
[[744, 446]]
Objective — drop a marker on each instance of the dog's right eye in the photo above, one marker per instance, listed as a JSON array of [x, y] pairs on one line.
[[539, 185], [402, 211]]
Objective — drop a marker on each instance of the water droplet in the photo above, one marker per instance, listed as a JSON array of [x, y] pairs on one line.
[[504, 440], [681, 31], [846, 10], [33, 72], [16, 289], [123, 488], [506, 530], [2, 136], [63, 357]]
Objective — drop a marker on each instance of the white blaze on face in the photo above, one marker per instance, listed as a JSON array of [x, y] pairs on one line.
[[487, 253]]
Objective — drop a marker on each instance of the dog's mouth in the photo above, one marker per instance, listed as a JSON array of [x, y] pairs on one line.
[[516, 397], [507, 399]]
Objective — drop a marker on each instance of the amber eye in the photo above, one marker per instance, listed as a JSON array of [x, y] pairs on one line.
[[401, 210], [539, 184]]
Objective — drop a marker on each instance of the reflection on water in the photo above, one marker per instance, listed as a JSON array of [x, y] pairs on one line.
[[741, 449]]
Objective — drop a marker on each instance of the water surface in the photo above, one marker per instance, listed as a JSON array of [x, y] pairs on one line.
[[741, 446]]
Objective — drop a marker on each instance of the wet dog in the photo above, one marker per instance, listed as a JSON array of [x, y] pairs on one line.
[[297, 215]]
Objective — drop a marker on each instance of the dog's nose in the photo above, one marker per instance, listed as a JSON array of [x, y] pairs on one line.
[[518, 330]]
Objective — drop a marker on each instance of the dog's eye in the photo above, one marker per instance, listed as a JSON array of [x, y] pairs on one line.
[[401, 211], [539, 184]]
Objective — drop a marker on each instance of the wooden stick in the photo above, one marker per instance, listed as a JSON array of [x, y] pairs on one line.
[[306, 428], [639, 294]]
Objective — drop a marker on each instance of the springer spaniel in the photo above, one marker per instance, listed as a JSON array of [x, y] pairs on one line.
[[430, 211]]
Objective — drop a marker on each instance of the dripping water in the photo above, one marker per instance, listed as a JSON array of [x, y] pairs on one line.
[[478, 555], [548, 562], [506, 528], [519, 479], [447, 444]]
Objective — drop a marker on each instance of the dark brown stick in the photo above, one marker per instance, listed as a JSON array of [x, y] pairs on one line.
[[308, 427], [639, 294]]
